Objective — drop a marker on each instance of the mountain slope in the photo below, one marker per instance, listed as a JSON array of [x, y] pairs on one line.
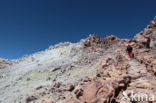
[[94, 70]]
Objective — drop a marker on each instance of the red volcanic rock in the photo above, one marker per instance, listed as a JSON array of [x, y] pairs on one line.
[[104, 63], [71, 99], [154, 69], [95, 41], [90, 92]]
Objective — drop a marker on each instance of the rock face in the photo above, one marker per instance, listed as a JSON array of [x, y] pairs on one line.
[[94, 70], [95, 41], [105, 87], [153, 39], [115, 76], [148, 33]]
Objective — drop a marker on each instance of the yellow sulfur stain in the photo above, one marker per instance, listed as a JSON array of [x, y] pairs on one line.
[[2, 82], [31, 75]]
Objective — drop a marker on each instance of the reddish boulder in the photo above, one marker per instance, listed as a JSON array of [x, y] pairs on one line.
[[90, 92], [154, 69]]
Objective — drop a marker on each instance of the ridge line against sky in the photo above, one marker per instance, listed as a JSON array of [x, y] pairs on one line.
[[29, 26]]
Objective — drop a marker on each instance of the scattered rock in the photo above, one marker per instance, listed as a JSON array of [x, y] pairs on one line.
[[57, 84], [55, 69], [78, 92], [70, 88], [30, 98], [49, 78], [28, 79], [39, 87]]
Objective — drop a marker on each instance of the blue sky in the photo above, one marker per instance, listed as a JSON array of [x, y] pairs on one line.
[[28, 26]]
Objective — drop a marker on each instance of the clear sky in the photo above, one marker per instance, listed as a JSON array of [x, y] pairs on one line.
[[28, 26]]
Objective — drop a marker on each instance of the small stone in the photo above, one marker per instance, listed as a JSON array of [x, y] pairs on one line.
[[55, 69], [49, 78], [7, 86], [78, 92], [70, 88], [28, 79], [68, 74], [57, 85], [30, 98], [20, 78], [39, 87]]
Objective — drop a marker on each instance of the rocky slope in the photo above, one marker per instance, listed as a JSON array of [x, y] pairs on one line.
[[94, 70], [148, 32]]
